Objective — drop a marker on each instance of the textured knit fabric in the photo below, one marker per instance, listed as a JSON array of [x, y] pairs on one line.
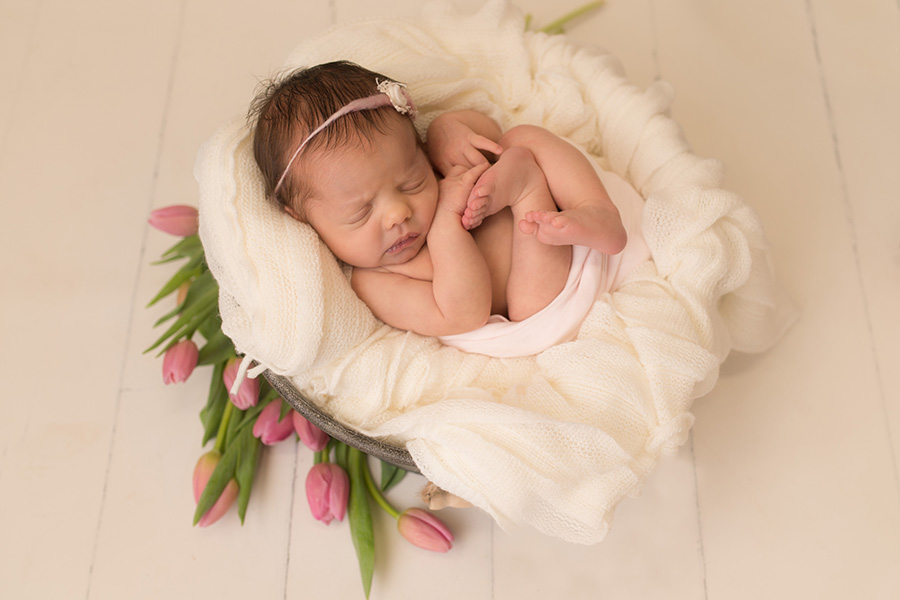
[[554, 440]]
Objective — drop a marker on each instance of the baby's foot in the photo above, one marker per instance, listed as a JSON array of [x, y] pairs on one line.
[[586, 225], [502, 185], [476, 208], [455, 187]]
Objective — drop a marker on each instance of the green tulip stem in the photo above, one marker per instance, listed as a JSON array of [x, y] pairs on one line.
[[376, 493], [223, 427], [320, 456], [558, 25]]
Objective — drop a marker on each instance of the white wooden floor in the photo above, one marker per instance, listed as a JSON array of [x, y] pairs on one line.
[[788, 487]]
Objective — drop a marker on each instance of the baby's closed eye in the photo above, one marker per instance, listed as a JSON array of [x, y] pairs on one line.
[[359, 216], [413, 186]]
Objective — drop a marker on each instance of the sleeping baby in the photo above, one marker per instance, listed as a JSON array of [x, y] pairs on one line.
[[477, 226]]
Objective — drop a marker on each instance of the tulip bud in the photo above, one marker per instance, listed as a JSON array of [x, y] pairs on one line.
[[327, 490], [182, 293], [248, 392], [268, 428], [177, 220], [424, 530], [312, 437], [202, 472], [179, 361]]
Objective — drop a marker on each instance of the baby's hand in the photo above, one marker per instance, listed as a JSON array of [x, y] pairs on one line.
[[453, 144], [454, 189]]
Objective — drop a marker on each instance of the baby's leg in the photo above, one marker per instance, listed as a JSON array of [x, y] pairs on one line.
[[538, 271], [588, 216]]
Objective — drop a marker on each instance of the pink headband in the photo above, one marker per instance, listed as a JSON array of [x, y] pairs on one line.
[[390, 93]]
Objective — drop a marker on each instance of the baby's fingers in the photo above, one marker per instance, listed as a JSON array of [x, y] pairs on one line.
[[475, 172], [465, 175], [486, 144]]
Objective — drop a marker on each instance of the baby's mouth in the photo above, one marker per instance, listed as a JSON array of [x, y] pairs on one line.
[[402, 243]]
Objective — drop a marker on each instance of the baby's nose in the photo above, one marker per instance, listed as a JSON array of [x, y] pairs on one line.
[[396, 212]]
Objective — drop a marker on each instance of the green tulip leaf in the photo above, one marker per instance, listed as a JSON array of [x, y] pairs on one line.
[[234, 425], [220, 477], [391, 475], [211, 415], [188, 321], [218, 348], [211, 327], [360, 517], [191, 270], [188, 247], [248, 462], [169, 315], [340, 454], [200, 287]]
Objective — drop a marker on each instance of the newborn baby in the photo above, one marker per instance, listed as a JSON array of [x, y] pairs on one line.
[[479, 222]]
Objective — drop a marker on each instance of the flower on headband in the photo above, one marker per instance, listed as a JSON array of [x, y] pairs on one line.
[[396, 92]]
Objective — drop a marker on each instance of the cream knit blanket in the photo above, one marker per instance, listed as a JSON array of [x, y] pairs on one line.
[[553, 440]]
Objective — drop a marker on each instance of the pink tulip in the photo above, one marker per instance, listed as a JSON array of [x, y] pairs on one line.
[[248, 392], [178, 220], [268, 428], [179, 361], [327, 489], [202, 472], [312, 437], [424, 530]]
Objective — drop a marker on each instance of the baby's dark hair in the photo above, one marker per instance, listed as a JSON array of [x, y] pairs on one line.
[[288, 109]]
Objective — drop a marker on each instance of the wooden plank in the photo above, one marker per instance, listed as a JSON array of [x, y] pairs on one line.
[[857, 48], [652, 551], [782, 475], [76, 166], [222, 53]]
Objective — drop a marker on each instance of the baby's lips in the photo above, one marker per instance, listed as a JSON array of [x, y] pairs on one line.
[[402, 242]]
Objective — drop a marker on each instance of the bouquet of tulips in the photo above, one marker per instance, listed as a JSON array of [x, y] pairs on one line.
[[242, 423]]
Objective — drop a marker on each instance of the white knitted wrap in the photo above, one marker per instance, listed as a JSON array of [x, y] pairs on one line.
[[554, 440]]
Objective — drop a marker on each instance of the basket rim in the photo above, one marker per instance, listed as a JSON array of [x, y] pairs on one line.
[[396, 455]]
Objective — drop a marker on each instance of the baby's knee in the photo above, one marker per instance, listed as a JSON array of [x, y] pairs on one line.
[[524, 164], [524, 136], [520, 156]]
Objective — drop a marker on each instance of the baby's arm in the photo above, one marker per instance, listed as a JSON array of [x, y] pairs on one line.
[[458, 298], [460, 138]]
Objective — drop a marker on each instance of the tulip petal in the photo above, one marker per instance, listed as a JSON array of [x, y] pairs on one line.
[[268, 428], [229, 495], [424, 530], [247, 393], [327, 491], [203, 471], [180, 361], [179, 219], [312, 437]]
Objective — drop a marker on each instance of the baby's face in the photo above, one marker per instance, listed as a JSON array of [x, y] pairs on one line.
[[372, 203]]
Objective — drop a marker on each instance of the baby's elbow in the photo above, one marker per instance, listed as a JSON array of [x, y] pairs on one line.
[[467, 321], [617, 242], [478, 320]]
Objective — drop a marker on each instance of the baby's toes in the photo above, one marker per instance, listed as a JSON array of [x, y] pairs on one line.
[[528, 226], [470, 223], [540, 216], [472, 218], [477, 203]]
